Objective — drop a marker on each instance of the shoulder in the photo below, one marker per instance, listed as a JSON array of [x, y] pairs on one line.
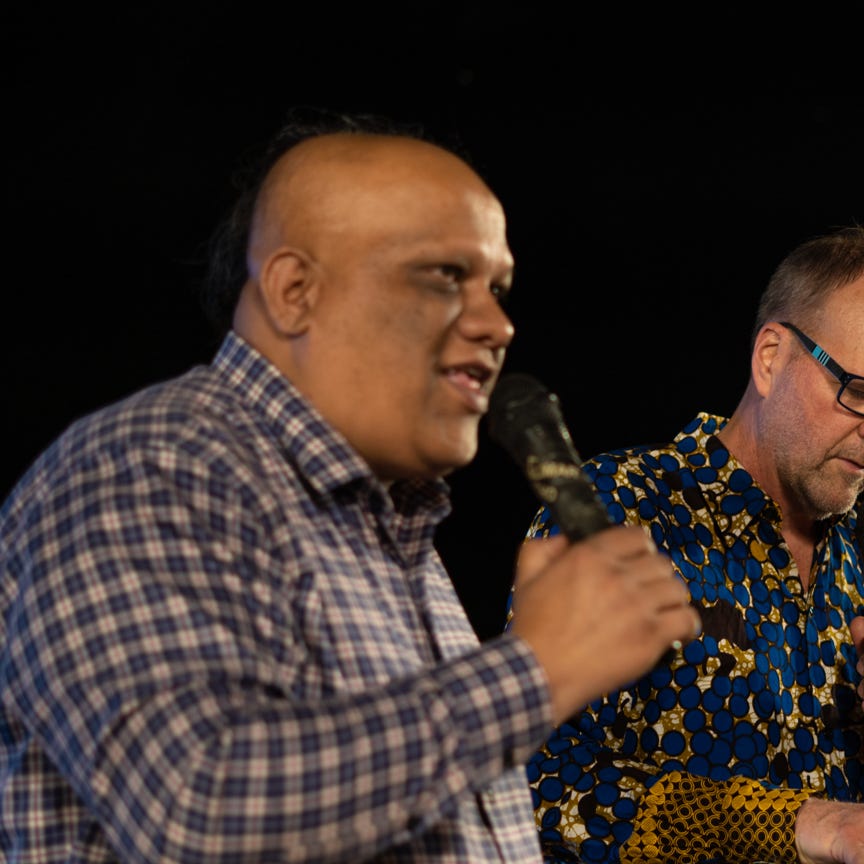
[[689, 450], [168, 416], [178, 433], [632, 464]]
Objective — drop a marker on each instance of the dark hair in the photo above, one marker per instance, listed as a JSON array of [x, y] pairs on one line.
[[808, 274], [226, 270]]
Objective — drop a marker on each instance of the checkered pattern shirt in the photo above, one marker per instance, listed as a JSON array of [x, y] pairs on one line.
[[223, 641]]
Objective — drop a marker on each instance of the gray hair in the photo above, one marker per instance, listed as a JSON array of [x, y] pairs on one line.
[[809, 274]]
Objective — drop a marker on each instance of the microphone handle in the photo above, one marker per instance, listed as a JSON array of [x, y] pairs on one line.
[[558, 480], [575, 508]]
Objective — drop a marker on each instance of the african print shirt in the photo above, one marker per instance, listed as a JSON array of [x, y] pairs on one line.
[[709, 756]]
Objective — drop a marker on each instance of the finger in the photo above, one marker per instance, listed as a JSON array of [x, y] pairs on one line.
[[627, 541], [683, 624], [536, 554], [668, 594], [694, 624], [650, 572]]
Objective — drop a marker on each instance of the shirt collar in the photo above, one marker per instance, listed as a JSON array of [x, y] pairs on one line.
[[322, 454], [698, 441], [726, 488]]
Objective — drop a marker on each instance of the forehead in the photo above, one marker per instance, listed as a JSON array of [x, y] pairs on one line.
[[842, 322]]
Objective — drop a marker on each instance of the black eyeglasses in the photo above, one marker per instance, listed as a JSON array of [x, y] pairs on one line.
[[851, 392]]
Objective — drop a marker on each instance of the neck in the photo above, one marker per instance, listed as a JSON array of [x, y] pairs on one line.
[[741, 438]]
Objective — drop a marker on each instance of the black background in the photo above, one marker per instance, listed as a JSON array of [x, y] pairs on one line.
[[655, 167]]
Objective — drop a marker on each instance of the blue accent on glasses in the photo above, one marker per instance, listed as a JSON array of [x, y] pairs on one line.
[[850, 397]]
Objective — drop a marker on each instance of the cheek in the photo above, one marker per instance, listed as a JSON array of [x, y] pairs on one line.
[[794, 397], [416, 336]]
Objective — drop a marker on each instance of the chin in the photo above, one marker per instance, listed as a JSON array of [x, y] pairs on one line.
[[444, 463]]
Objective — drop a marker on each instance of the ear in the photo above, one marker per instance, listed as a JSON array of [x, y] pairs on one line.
[[289, 290], [766, 361]]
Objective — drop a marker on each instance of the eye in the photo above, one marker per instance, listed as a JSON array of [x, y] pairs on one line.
[[447, 278], [500, 292], [452, 272], [855, 389]]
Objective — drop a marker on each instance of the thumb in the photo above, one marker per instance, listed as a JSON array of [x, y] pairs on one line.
[[856, 628], [536, 554]]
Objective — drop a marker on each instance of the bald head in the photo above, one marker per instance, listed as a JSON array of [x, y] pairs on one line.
[[326, 190], [336, 198]]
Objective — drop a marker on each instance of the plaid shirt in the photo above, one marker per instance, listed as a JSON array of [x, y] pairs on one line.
[[224, 641]]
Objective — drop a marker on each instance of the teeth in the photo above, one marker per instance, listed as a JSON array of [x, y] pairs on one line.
[[466, 378]]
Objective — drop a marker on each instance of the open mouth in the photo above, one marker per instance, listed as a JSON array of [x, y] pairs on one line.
[[472, 376], [474, 382]]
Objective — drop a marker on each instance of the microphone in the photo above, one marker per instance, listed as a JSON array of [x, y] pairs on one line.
[[526, 420]]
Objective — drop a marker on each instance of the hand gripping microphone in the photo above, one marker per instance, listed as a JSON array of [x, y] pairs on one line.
[[526, 420]]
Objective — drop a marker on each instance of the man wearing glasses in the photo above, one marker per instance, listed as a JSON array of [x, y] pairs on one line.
[[749, 744]]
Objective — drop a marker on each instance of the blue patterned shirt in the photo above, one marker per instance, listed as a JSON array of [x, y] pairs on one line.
[[662, 770], [224, 641]]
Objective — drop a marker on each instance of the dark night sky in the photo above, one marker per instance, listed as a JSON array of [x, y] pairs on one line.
[[654, 172]]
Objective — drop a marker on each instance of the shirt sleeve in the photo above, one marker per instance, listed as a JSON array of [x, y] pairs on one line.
[[689, 819], [148, 662], [594, 805]]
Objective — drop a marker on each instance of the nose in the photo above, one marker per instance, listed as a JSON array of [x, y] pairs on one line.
[[483, 320]]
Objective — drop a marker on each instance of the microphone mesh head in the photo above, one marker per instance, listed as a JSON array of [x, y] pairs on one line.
[[526, 420], [517, 398], [519, 407]]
